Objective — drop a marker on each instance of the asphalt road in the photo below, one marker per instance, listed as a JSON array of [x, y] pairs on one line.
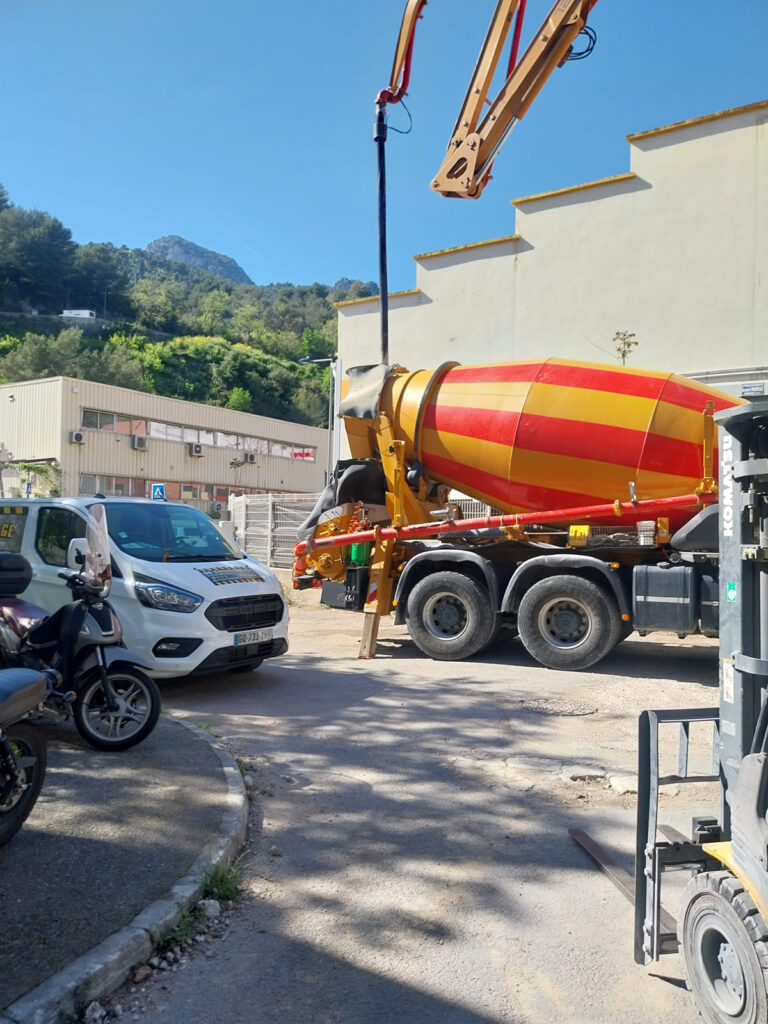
[[102, 842], [409, 857]]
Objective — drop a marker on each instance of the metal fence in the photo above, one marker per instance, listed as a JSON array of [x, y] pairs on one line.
[[266, 524]]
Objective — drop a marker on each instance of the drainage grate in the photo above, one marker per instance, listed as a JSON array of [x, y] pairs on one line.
[[556, 706]]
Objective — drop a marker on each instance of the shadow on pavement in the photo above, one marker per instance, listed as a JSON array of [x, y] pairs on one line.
[[406, 811], [110, 833]]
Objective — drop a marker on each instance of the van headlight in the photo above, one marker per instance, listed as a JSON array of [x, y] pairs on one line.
[[170, 599]]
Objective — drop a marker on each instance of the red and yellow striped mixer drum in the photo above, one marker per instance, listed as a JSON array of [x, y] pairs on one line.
[[552, 434]]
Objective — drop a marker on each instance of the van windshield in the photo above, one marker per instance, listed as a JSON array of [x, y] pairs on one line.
[[167, 533]]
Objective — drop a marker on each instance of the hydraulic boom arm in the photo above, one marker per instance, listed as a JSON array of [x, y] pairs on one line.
[[477, 137]]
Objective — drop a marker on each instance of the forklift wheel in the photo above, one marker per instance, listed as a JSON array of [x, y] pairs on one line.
[[724, 940]]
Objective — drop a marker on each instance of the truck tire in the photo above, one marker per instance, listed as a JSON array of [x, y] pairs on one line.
[[450, 616], [724, 945], [567, 622]]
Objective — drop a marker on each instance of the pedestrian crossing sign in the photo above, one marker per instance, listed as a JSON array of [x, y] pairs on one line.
[[158, 492]]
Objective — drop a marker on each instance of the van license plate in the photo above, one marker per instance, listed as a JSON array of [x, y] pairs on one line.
[[252, 636]]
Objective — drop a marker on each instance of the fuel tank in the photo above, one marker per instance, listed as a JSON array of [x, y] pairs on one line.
[[528, 436]]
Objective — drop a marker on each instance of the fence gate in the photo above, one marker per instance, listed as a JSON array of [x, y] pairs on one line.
[[267, 524]]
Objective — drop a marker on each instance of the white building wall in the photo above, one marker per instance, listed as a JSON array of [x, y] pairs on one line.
[[675, 250], [30, 418]]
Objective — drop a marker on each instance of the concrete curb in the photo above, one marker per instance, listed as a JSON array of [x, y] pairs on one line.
[[106, 966]]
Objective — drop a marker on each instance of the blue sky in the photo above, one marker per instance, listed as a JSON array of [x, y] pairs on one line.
[[246, 126]]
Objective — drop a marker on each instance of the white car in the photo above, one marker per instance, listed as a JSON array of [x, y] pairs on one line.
[[188, 599]]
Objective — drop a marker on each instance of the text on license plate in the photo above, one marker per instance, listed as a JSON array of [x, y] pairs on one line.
[[252, 636]]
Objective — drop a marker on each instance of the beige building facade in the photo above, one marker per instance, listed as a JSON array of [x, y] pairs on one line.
[[675, 251], [114, 441]]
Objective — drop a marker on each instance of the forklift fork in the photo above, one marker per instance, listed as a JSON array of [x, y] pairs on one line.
[[655, 929], [654, 936]]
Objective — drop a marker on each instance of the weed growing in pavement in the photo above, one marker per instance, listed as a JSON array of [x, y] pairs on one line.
[[185, 930], [205, 726], [222, 883]]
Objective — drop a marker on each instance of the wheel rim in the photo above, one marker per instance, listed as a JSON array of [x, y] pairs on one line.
[[721, 969], [24, 762], [565, 622], [445, 616], [133, 707]]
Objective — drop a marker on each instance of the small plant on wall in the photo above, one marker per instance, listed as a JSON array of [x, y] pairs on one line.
[[624, 342]]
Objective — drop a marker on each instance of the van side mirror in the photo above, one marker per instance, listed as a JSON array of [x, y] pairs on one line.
[[76, 553]]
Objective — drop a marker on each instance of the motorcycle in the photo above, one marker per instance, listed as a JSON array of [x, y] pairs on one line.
[[116, 704], [23, 752]]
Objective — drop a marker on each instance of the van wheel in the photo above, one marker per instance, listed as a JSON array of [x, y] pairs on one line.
[[567, 622], [450, 616]]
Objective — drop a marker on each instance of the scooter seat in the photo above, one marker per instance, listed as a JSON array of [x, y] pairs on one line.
[[20, 615], [21, 689]]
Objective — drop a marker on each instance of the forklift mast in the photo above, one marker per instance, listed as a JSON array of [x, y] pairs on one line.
[[744, 641], [737, 839]]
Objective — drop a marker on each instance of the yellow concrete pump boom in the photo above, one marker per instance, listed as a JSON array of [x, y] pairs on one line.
[[479, 132]]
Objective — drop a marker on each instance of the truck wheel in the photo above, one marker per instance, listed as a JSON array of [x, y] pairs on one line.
[[568, 622], [723, 944], [450, 616]]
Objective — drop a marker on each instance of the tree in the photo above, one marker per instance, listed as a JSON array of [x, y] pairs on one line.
[[44, 355], [311, 396], [213, 312], [240, 400], [4, 200], [37, 259], [153, 304], [315, 344], [99, 280], [246, 324], [185, 367], [41, 355]]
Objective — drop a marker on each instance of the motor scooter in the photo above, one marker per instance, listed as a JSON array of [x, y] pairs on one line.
[[116, 704], [23, 752]]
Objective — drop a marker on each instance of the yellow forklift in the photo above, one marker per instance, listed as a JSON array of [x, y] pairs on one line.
[[722, 926]]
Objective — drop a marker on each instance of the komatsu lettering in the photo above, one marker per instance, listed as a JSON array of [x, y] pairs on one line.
[[726, 484]]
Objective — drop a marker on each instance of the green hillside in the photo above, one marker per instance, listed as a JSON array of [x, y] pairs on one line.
[[163, 326]]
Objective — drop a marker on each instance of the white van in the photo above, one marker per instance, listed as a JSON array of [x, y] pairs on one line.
[[188, 599]]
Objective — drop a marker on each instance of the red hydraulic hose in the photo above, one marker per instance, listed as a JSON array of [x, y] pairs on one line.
[[640, 509], [516, 37], [400, 90]]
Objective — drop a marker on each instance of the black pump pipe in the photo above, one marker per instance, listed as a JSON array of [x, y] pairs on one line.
[[380, 138]]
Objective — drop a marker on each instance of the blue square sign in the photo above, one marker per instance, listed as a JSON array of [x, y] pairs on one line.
[[158, 492]]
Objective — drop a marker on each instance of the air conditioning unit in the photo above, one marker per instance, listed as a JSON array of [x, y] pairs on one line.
[[195, 449], [139, 442], [76, 437], [249, 457]]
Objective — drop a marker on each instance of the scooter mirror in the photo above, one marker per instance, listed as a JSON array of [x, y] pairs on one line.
[[76, 553]]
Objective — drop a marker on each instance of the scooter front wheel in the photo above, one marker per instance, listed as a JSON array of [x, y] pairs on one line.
[[29, 750], [134, 718]]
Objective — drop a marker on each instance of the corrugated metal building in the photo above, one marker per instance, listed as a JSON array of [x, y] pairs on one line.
[[115, 441]]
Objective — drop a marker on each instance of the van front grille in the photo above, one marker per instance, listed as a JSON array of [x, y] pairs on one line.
[[236, 613]]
